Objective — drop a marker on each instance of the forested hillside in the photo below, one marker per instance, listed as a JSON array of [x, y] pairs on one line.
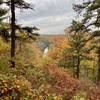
[[35, 66]]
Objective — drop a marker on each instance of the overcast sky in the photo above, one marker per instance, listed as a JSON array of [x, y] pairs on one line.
[[50, 16]]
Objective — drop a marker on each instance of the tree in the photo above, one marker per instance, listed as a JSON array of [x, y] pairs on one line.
[[26, 33], [2, 13], [77, 50], [3, 26], [58, 43], [90, 10], [12, 4]]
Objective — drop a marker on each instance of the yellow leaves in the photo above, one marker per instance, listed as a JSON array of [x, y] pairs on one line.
[[27, 53], [11, 98], [80, 96], [61, 42], [2, 91], [3, 45], [56, 49], [11, 88], [17, 81], [88, 64]]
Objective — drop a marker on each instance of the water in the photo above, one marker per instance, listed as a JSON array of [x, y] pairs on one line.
[[46, 50]]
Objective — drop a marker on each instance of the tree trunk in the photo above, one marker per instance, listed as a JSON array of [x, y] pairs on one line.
[[78, 66], [98, 77], [13, 31]]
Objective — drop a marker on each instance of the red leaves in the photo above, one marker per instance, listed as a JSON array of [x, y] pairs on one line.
[[94, 93], [66, 85], [63, 81]]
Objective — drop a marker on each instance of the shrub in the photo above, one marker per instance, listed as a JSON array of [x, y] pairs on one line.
[[80, 96], [13, 88]]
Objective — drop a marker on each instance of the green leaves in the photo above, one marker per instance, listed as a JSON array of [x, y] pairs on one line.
[[78, 26], [18, 3], [3, 27], [96, 33], [1, 2], [30, 29], [2, 13], [94, 6]]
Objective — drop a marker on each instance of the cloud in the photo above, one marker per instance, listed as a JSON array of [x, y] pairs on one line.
[[51, 16]]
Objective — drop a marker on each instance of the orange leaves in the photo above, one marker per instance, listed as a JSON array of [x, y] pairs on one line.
[[59, 43], [8, 86], [94, 93], [63, 81], [14, 89]]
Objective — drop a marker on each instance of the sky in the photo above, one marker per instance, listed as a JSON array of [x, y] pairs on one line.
[[50, 16]]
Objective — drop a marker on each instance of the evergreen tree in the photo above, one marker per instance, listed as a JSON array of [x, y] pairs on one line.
[[77, 50], [14, 4], [2, 13], [3, 31], [90, 10]]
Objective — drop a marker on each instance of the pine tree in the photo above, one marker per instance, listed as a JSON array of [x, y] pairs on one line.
[[77, 50], [14, 4], [90, 10], [2, 13], [3, 31]]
